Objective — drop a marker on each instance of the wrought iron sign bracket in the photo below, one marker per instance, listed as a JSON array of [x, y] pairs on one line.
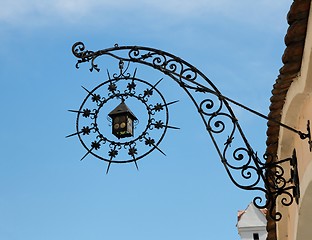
[[221, 97], [132, 136]]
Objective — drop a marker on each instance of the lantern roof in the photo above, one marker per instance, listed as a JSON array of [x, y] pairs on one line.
[[120, 109]]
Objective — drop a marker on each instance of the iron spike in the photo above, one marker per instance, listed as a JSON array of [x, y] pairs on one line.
[[108, 74], [157, 83], [135, 70], [136, 165], [108, 167], [86, 154], [155, 146], [74, 111], [173, 102], [73, 134], [173, 127]]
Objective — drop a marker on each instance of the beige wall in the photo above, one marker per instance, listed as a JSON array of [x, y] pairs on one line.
[[296, 223]]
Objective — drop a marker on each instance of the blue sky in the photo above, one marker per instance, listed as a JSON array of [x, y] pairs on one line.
[[47, 193]]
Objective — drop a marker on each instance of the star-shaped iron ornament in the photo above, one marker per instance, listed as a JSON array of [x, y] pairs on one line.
[[95, 145], [132, 151], [159, 124], [91, 128], [96, 98], [148, 92], [112, 87], [150, 142], [158, 107], [86, 130], [113, 153], [86, 113], [131, 86]]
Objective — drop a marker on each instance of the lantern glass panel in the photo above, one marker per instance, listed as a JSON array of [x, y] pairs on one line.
[[122, 122], [130, 126]]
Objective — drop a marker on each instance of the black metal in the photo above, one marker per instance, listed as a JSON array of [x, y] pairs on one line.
[[122, 121], [280, 185], [100, 144], [241, 162]]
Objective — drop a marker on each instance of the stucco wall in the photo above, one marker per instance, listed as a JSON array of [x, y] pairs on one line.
[[297, 110]]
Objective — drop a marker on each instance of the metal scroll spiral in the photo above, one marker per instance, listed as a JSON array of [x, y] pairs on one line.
[[241, 162], [281, 186]]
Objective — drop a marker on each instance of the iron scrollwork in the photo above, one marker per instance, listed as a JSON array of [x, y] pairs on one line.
[[242, 164], [90, 128]]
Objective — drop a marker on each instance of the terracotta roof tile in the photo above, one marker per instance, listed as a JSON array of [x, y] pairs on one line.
[[299, 10]]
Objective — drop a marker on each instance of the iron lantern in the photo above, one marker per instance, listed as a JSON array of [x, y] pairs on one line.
[[122, 121]]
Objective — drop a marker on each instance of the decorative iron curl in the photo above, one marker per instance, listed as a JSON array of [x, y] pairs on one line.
[[79, 50], [281, 186], [220, 121]]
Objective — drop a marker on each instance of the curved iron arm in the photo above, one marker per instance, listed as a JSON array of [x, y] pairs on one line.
[[243, 166]]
